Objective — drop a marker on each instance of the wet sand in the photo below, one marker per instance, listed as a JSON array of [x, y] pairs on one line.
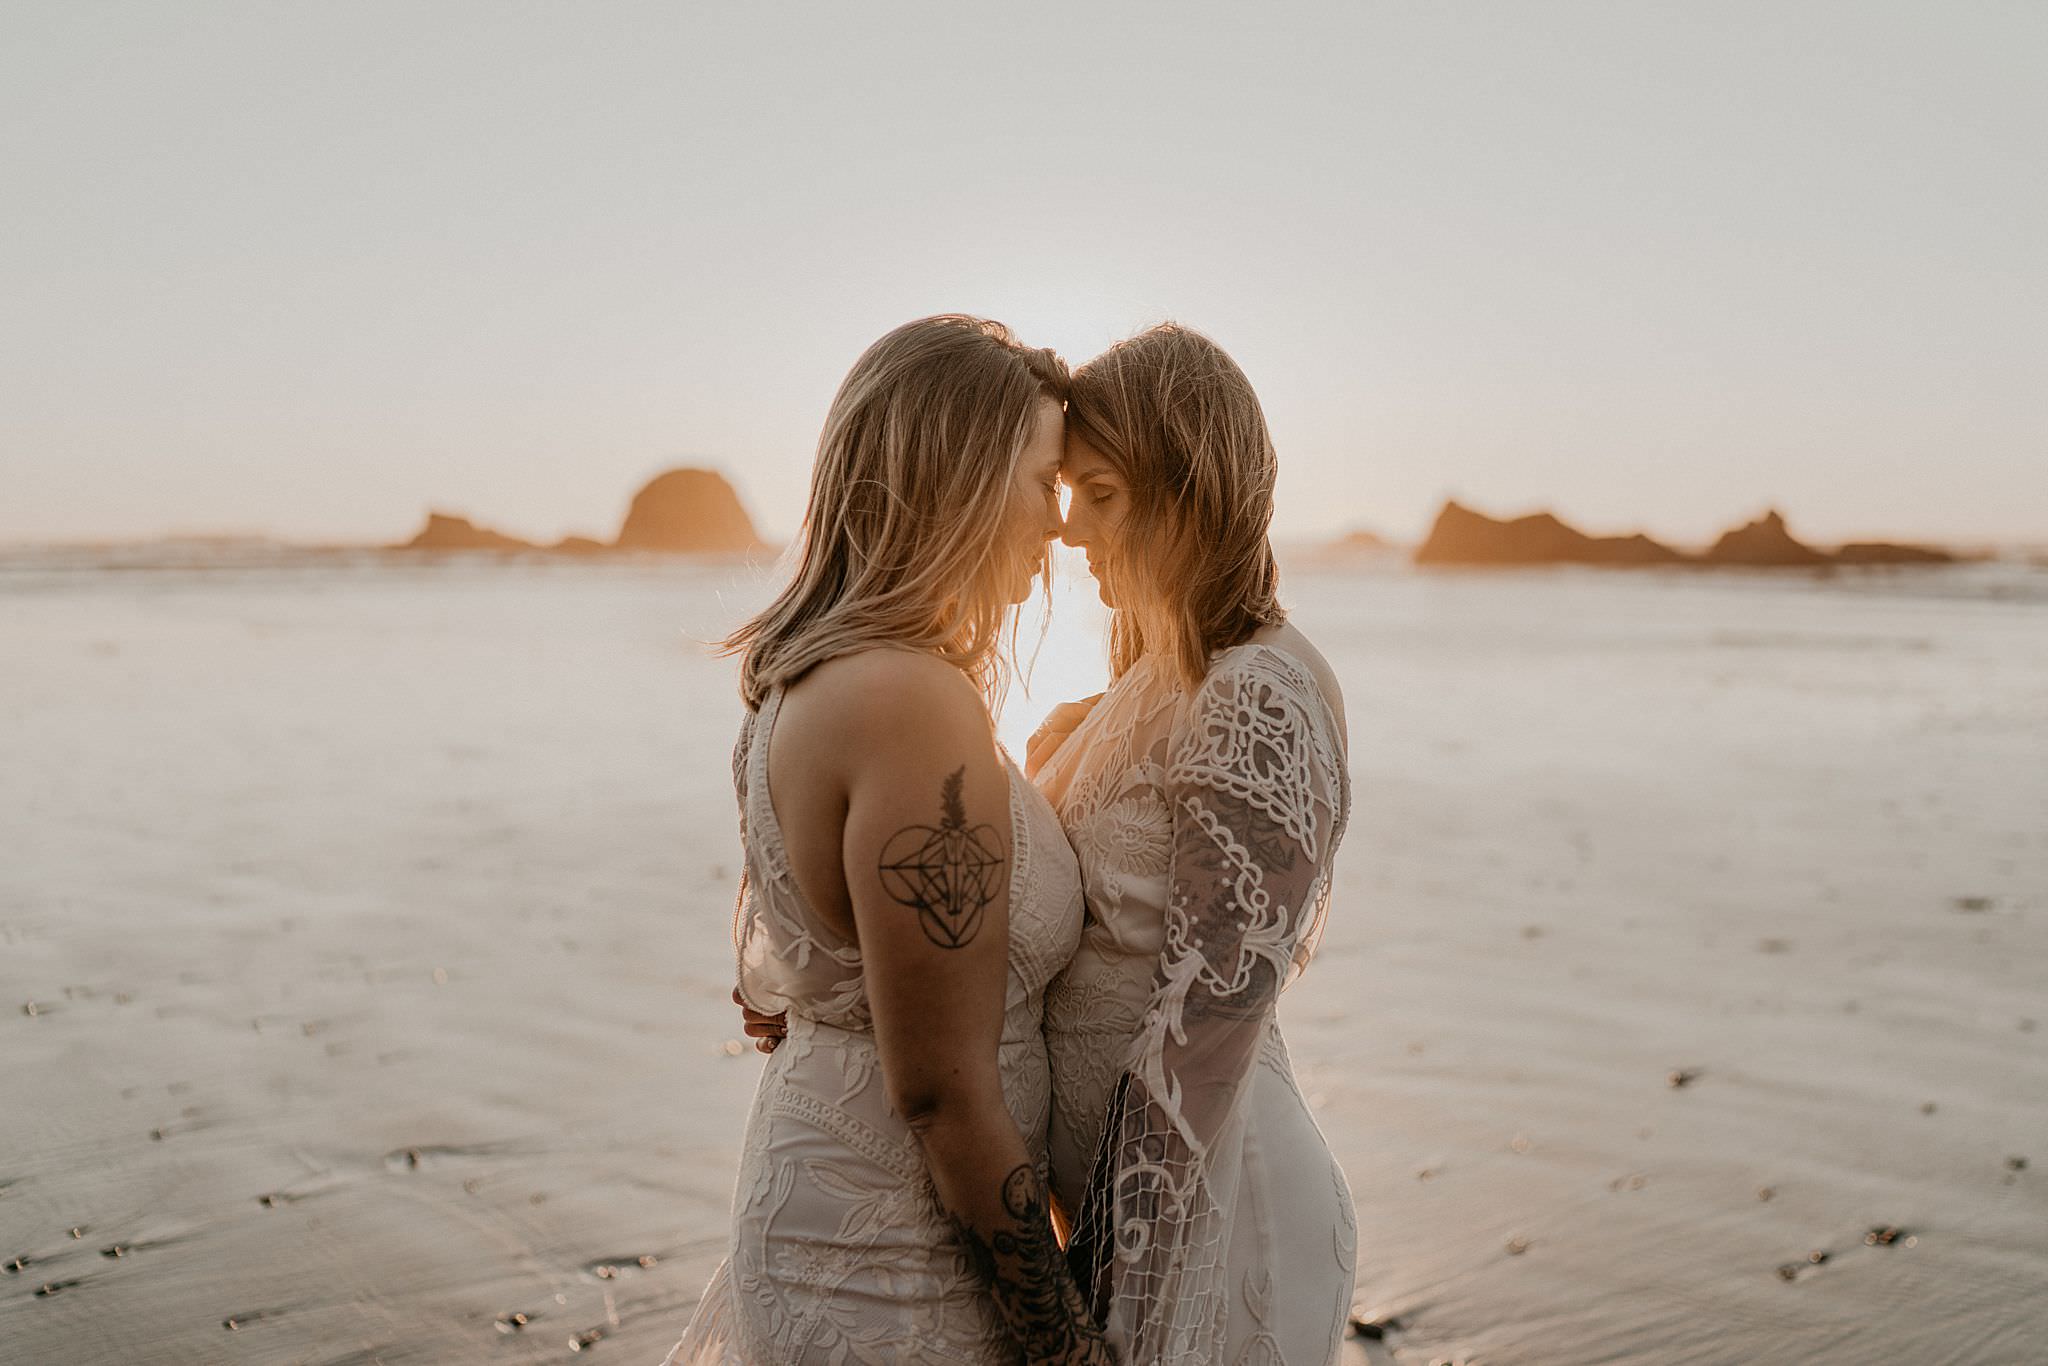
[[364, 956]]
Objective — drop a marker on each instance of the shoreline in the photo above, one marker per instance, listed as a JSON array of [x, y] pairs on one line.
[[409, 911]]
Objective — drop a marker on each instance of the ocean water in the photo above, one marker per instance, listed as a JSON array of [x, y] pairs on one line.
[[364, 942]]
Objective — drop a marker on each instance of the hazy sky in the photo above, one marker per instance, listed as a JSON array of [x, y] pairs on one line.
[[309, 268]]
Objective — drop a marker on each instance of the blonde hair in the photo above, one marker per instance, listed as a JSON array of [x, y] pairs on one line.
[[1176, 418], [904, 535]]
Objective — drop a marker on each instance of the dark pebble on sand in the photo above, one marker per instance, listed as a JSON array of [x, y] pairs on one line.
[[156, 1135], [412, 1157], [1816, 1256], [1374, 1330], [19, 1264], [31, 1009], [77, 1230], [512, 1323], [269, 1201], [1788, 1271], [1883, 1235], [1681, 1076], [114, 1250], [586, 1339], [1517, 1246], [2018, 1164], [1765, 1192], [1973, 903], [49, 1288]]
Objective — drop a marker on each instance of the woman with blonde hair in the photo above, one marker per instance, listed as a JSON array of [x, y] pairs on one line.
[[1205, 794], [907, 893]]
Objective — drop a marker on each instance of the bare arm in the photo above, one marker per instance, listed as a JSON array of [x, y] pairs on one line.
[[927, 861]]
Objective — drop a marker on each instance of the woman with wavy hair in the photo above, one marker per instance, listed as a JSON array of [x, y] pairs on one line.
[[1205, 793], [907, 893]]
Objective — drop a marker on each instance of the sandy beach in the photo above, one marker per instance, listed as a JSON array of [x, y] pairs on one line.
[[364, 958]]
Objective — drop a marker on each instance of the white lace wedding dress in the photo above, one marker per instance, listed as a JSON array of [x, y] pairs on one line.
[[840, 1252], [1215, 1224]]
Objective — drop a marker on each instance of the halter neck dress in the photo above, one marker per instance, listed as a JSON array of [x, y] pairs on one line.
[[840, 1252]]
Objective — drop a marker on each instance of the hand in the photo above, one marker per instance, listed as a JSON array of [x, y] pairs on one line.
[[767, 1031], [1047, 739]]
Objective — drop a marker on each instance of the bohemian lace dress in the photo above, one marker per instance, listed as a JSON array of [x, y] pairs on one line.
[[1214, 1224], [840, 1252]]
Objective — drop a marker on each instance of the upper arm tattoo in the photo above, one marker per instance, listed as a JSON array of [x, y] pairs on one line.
[[947, 873]]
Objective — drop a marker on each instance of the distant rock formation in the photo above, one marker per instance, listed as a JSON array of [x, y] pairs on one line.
[[446, 532], [1882, 552], [1462, 536], [1764, 544], [1361, 541], [680, 511], [687, 510]]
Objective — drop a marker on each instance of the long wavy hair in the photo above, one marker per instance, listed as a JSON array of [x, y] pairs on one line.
[[1177, 419], [906, 536]]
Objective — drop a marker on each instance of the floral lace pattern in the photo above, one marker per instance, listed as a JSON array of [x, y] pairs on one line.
[[1214, 1224], [840, 1254]]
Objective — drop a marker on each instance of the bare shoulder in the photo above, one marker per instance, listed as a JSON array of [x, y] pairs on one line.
[[859, 704]]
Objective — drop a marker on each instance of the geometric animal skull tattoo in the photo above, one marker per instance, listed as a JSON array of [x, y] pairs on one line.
[[947, 873]]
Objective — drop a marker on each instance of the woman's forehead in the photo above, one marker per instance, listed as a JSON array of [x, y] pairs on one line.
[[1081, 460]]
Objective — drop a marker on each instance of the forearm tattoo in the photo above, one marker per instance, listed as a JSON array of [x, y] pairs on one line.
[[1028, 1276], [948, 873]]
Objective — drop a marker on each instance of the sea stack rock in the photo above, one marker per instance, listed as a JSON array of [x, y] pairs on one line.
[[446, 532], [578, 545], [1881, 552], [687, 511], [1765, 544], [1462, 536], [1362, 541]]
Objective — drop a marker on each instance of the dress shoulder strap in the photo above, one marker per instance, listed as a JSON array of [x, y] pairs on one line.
[[764, 832]]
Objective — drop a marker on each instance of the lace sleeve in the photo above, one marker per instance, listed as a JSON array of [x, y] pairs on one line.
[[1256, 793]]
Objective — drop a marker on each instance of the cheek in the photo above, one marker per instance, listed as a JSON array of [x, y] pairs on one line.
[[1027, 514], [1109, 519]]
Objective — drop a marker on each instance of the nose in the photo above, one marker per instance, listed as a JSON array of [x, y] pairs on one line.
[[1073, 530]]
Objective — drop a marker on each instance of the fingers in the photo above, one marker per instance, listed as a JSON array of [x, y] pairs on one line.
[[1065, 716], [767, 1031], [1061, 722]]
